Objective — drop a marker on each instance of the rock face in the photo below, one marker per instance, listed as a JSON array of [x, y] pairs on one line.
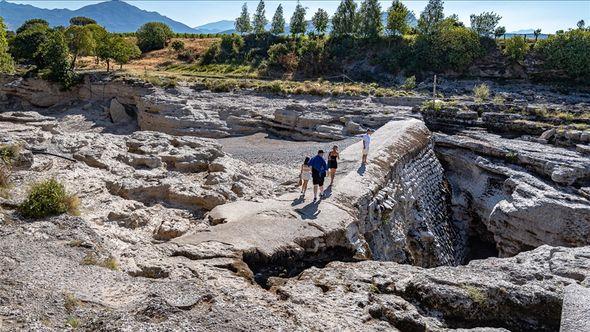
[[380, 212], [526, 194]]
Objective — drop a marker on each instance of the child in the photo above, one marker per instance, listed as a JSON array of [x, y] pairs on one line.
[[305, 175]]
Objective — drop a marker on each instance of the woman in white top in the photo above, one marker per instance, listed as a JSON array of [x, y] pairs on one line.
[[305, 175]]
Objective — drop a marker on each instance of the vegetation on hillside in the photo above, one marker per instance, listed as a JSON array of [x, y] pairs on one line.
[[354, 37]]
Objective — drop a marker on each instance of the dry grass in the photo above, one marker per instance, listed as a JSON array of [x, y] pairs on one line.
[[154, 60], [92, 259], [70, 302], [481, 92]]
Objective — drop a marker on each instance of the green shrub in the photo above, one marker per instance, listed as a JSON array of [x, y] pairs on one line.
[[409, 83], [177, 45], [153, 36], [450, 47], [282, 57], [9, 153], [481, 92], [569, 51], [48, 198], [516, 48]]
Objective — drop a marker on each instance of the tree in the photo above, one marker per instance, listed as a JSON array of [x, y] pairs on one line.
[[397, 23], [516, 48], [343, 22], [116, 48], [243, 22], [298, 24], [259, 21], [320, 21], [81, 21], [369, 19], [485, 23], [153, 36], [31, 23], [581, 24], [80, 41], [431, 17], [55, 55], [567, 51], [537, 33], [278, 22], [25, 45], [499, 32], [6, 62]]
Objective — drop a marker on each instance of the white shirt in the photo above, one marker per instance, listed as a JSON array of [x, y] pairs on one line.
[[366, 141]]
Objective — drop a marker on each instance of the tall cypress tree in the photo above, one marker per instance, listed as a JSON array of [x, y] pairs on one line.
[[243, 22], [343, 22], [298, 24], [259, 21], [369, 19], [320, 21], [278, 22], [397, 18], [431, 17]]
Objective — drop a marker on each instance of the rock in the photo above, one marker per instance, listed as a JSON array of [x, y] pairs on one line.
[[575, 316], [548, 134], [171, 228], [118, 113]]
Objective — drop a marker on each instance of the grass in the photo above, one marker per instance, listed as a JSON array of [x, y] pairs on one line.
[[5, 173], [9, 152], [49, 198], [435, 105], [73, 322], [92, 259], [409, 83], [70, 302], [475, 294], [481, 92], [227, 70], [512, 157]]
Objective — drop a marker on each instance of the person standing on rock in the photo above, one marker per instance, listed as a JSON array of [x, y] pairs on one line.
[[318, 173], [366, 144], [305, 175], [333, 157]]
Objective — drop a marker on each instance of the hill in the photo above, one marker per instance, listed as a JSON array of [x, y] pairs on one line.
[[114, 15]]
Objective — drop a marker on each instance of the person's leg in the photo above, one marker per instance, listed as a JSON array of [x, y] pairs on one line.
[[332, 174], [304, 187], [315, 191], [364, 158]]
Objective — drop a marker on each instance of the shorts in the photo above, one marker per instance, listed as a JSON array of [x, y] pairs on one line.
[[332, 164], [318, 178], [365, 151], [306, 176]]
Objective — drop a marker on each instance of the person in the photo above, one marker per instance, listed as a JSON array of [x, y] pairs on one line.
[[305, 175], [333, 157], [318, 173], [366, 144]]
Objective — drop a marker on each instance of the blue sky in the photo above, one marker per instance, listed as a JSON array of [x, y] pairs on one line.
[[547, 15]]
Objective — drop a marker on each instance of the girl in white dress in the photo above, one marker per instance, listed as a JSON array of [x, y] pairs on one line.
[[305, 175]]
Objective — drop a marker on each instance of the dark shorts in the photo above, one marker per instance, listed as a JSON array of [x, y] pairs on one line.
[[318, 179], [333, 164]]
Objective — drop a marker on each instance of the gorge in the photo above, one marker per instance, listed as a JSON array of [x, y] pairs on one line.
[[466, 217]]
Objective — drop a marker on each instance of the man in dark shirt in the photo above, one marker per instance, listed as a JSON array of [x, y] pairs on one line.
[[318, 173]]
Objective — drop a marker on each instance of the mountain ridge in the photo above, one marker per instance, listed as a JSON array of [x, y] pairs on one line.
[[114, 15]]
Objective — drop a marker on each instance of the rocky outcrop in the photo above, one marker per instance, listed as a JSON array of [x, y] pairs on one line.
[[526, 194], [380, 212]]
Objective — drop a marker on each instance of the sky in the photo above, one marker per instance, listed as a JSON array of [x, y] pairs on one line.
[[516, 14]]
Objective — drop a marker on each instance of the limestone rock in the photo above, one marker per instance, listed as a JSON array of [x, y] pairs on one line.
[[118, 113]]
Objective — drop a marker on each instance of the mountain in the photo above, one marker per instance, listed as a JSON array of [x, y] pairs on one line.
[[216, 27], [114, 15]]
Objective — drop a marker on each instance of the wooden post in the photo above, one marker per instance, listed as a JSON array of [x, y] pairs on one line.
[[434, 88]]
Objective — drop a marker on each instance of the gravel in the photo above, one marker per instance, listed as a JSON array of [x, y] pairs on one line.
[[262, 148]]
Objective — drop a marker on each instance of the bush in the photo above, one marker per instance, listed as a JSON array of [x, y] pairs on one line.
[[568, 51], [481, 92], [409, 83], [282, 57], [187, 56], [450, 47], [153, 36], [516, 48], [177, 45], [55, 53], [48, 198]]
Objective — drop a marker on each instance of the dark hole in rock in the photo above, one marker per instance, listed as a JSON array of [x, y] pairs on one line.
[[289, 264]]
